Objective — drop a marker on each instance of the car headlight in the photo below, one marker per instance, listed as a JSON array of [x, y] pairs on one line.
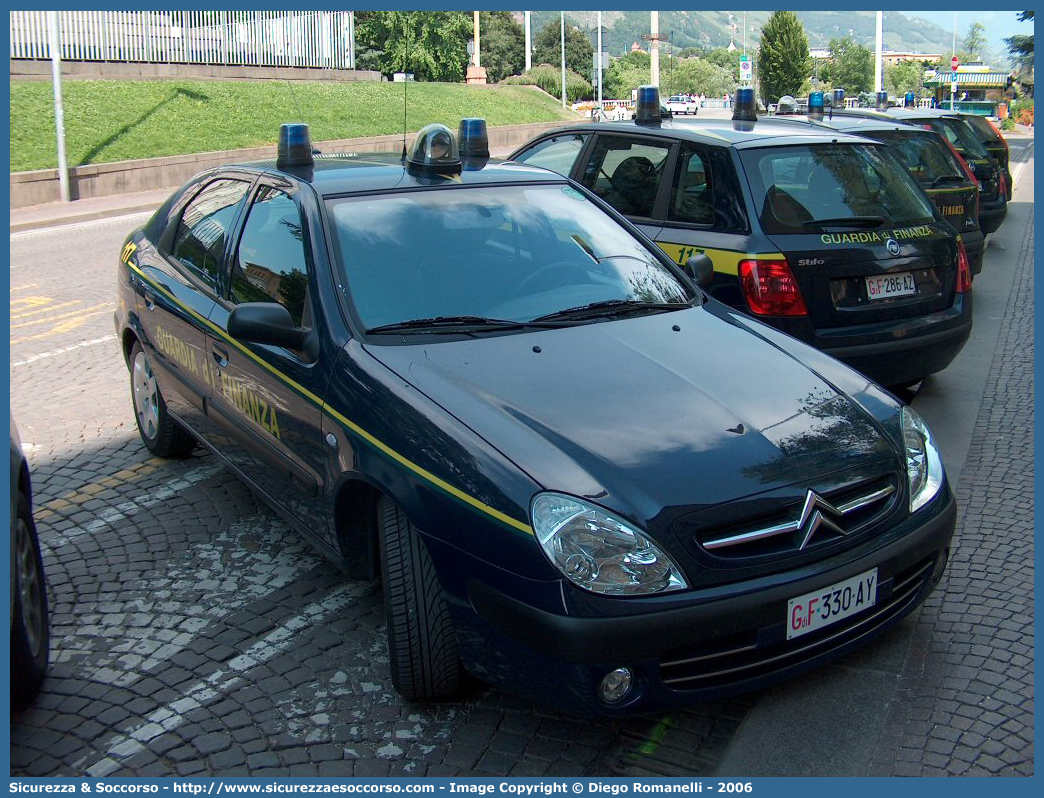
[[924, 469], [598, 551]]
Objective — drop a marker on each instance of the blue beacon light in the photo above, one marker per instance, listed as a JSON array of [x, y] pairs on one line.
[[473, 138], [295, 146], [744, 108], [815, 105], [647, 106]]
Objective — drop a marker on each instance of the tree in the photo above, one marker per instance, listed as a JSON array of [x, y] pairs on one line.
[[974, 42], [903, 77], [851, 66], [784, 63], [1021, 46], [720, 56], [579, 54], [434, 43], [502, 44]]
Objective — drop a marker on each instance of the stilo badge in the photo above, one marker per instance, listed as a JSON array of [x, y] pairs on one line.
[[893, 246]]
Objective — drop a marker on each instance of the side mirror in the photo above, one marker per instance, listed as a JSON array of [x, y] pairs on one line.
[[266, 323], [700, 269]]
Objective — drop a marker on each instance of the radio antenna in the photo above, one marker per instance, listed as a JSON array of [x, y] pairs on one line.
[[405, 76], [293, 97]]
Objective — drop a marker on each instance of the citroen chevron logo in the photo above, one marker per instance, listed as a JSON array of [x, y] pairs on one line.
[[812, 518], [816, 513]]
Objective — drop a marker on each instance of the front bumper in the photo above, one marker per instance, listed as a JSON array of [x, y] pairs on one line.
[[709, 643]]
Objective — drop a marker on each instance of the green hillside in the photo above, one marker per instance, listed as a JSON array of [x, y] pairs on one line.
[[109, 120], [710, 29]]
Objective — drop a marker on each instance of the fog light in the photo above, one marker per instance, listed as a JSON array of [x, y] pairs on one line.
[[616, 685]]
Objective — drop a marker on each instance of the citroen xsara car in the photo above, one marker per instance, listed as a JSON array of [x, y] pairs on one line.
[[577, 475]]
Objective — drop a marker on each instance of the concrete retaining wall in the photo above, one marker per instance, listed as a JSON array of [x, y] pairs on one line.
[[27, 69], [120, 177]]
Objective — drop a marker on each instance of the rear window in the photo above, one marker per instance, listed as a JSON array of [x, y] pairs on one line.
[[813, 188], [961, 136], [924, 155], [987, 135]]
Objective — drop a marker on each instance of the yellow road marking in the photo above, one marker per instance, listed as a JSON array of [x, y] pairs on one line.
[[24, 287], [30, 301], [46, 309], [419, 470], [75, 498], [60, 316], [66, 326]]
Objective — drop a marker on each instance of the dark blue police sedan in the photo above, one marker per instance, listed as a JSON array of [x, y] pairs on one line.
[[577, 476]]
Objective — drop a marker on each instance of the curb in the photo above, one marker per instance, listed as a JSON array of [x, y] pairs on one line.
[[87, 216]]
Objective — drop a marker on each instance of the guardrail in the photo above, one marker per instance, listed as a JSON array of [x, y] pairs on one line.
[[236, 38]]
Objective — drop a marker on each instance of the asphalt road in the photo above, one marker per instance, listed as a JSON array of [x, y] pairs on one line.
[[193, 633]]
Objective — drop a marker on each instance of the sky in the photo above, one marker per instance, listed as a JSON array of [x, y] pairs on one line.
[[998, 24]]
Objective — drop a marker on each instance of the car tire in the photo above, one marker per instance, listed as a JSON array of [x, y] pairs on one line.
[[30, 632], [422, 643], [161, 434]]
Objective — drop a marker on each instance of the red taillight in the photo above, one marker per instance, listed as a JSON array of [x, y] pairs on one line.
[[964, 277], [1002, 183], [960, 159], [770, 288]]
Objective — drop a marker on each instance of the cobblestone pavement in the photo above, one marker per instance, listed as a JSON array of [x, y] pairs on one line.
[[965, 701], [193, 633]]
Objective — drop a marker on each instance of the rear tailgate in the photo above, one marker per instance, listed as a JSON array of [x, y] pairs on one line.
[[957, 205], [838, 273]]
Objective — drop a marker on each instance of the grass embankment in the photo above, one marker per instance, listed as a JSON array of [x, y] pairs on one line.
[[108, 120]]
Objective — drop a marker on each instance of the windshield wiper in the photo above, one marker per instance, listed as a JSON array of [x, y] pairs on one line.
[[948, 179], [450, 324], [847, 221], [612, 307]]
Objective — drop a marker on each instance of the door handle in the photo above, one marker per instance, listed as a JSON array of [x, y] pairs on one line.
[[150, 299], [220, 356]]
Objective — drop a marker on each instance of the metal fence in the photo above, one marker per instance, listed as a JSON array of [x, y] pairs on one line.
[[259, 38]]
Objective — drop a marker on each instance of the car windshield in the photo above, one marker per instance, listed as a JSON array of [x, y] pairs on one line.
[[505, 253], [925, 157], [811, 188]]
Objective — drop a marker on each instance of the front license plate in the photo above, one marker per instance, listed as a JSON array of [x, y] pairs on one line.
[[821, 608], [882, 286]]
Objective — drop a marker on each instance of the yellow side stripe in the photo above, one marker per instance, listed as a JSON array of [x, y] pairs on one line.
[[944, 190], [726, 261], [351, 425]]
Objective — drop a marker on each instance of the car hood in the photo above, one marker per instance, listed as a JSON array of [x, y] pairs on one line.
[[668, 412]]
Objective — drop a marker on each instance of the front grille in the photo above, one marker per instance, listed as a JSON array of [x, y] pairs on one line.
[[743, 657], [819, 520]]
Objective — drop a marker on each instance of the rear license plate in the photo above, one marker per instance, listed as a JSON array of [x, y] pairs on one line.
[[821, 608], [883, 286]]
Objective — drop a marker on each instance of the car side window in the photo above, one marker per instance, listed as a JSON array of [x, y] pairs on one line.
[[626, 173], [199, 243], [557, 154], [271, 262], [692, 198]]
